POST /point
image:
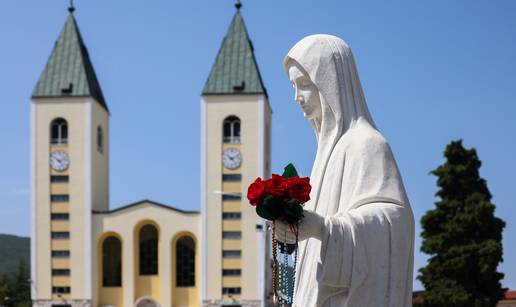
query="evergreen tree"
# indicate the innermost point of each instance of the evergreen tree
(462, 236)
(18, 287)
(4, 291)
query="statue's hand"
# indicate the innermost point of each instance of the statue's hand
(311, 226)
(283, 233)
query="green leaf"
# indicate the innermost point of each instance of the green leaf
(270, 208)
(290, 171)
(298, 210)
(264, 213)
(268, 201)
(292, 212)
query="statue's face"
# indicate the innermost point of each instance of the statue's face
(306, 93)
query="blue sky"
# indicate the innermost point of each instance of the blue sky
(432, 72)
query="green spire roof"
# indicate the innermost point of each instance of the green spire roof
(69, 72)
(235, 70)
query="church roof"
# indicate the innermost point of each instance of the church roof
(145, 202)
(235, 70)
(69, 72)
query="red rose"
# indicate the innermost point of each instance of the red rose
(299, 189)
(277, 186)
(256, 191)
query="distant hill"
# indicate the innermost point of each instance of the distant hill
(12, 250)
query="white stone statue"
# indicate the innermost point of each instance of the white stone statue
(357, 235)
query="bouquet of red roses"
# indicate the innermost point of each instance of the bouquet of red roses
(280, 197)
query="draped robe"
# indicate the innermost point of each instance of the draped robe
(365, 257)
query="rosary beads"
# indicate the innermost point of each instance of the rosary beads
(284, 279)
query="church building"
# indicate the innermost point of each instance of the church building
(147, 254)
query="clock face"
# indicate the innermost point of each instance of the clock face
(59, 160)
(231, 158)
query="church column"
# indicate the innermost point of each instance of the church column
(165, 269)
(128, 266)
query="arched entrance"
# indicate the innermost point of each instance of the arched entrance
(146, 302)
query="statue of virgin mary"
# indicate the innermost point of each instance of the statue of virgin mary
(357, 234)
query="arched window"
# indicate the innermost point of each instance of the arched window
(59, 131)
(111, 262)
(231, 130)
(185, 262)
(148, 250)
(146, 302)
(100, 139)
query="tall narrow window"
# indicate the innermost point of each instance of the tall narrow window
(112, 262)
(148, 250)
(231, 130)
(59, 131)
(185, 262)
(100, 139)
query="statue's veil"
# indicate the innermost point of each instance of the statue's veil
(330, 65)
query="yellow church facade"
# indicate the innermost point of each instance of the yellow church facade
(147, 253)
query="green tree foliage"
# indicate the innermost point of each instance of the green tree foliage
(462, 236)
(15, 288)
(4, 291)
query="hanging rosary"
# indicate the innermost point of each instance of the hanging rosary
(282, 198)
(283, 275)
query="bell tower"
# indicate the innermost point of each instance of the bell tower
(69, 171)
(235, 149)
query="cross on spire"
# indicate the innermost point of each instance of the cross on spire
(238, 5)
(71, 7)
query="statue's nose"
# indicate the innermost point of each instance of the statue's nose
(297, 96)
